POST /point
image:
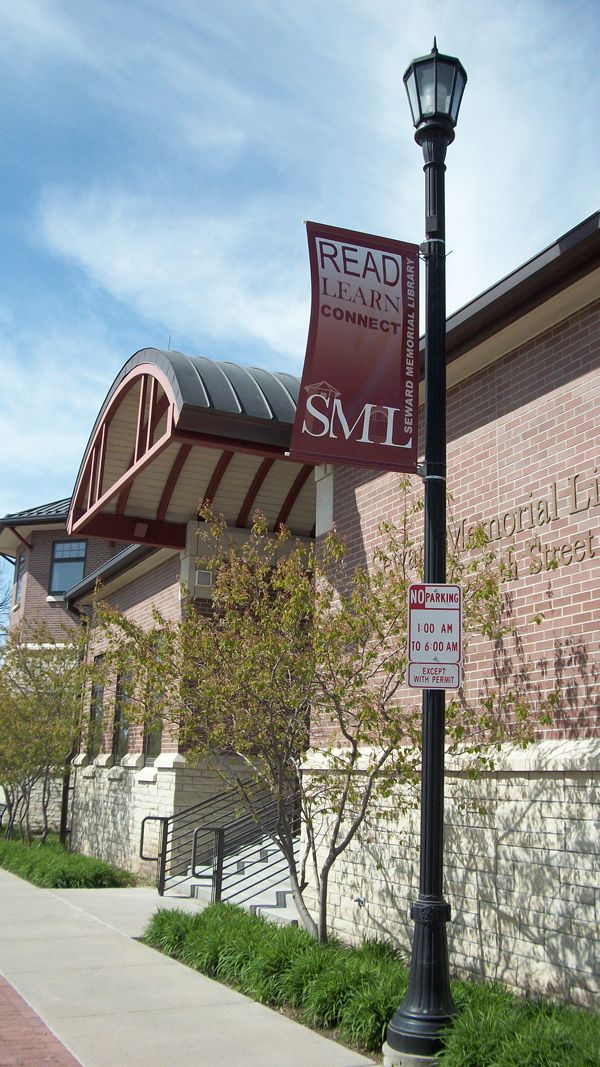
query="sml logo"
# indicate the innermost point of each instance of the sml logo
(376, 424)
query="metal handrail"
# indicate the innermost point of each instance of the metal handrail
(228, 840)
(150, 818)
(216, 875)
(178, 836)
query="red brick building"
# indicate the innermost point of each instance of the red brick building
(47, 562)
(522, 861)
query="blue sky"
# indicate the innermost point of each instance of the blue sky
(158, 161)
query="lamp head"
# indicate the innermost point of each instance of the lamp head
(435, 85)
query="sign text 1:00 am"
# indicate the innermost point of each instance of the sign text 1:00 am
(434, 636)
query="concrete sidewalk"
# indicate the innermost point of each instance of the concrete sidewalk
(113, 1002)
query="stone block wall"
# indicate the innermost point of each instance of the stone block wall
(522, 873)
(110, 803)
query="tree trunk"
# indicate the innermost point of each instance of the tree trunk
(9, 796)
(324, 878)
(306, 918)
(64, 804)
(46, 787)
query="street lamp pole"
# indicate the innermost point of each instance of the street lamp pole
(435, 86)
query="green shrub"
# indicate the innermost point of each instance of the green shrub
(330, 991)
(52, 867)
(223, 942)
(285, 966)
(169, 931)
(303, 970)
(262, 973)
(368, 1011)
(356, 991)
(496, 1028)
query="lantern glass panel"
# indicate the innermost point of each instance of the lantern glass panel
(426, 81)
(445, 81)
(413, 98)
(459, 89)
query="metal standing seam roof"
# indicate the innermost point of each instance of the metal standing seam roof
(56, 511)
(51, 515)
(175, 430)
(202, 385)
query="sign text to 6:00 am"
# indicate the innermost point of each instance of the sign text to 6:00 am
(434, 636)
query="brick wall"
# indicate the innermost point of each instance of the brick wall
(524, 458)
(109, 801)
(155, 590)
(34, 605)
(522, 863)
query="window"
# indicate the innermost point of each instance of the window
(154, 703)
(121, 720)
(96, 710)
(68, 562)
(19, 575)
(152, 742)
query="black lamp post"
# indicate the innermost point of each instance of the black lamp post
(435, 85)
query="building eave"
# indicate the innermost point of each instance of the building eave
(561, 265)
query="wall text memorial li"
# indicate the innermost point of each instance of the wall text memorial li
(577, 495)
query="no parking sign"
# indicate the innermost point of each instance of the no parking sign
(434, 636)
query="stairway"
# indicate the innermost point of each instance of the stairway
(225, 848)
(255, 877)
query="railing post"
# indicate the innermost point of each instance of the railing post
(217, 875)
(162, 857)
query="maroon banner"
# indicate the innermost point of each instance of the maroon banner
(359, 397)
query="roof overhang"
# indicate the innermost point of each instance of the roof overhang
(550, 287)
(16, 530)
(175, 431)
(120, 570)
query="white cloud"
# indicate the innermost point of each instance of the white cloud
(36, 27)
(219, 277)
(54, 382)
(301, 108)
(198, 136)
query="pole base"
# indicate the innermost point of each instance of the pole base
(418, 1024)
(411, 1034)
(392, 1058)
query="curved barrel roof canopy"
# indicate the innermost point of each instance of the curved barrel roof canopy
(175, 431)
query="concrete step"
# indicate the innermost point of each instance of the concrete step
(245, 865)
(266, 905)
(277, 907)
(272, 897)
